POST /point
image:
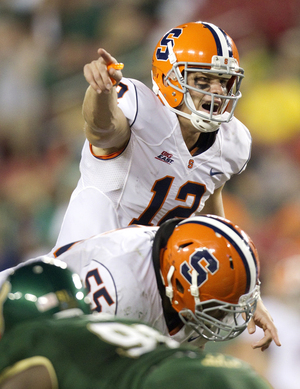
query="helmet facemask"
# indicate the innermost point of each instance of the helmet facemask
(216, 320)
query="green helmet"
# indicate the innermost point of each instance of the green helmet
(40, 289)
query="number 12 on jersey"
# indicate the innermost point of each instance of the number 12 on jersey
(160, 190)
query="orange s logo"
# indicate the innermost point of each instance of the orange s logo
(191, 163)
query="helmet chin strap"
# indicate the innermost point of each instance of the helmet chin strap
(169, 288)
(194, 287)
(203, 125)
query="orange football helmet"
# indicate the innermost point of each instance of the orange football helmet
(194, 47)
(210, 270)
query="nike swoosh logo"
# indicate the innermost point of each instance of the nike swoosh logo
(214, 172)
(193, 338)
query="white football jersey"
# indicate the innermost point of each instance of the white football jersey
(155, 177)
(119, 275)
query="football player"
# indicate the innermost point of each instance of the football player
(153, 155)
(190, 279)
(49, 343)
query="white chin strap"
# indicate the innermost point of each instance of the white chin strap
(203, 125)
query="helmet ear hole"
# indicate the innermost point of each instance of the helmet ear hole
(182, 246)
(179, 286)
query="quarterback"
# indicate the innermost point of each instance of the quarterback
(153, 155)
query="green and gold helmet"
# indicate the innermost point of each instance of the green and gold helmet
(40, 289)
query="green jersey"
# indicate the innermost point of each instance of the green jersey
(94, 351)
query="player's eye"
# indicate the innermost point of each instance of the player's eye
(202, 79)
(202, 82)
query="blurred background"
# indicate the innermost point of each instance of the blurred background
(44, 45)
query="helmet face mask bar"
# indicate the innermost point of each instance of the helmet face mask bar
(169, 73)
(216, 320)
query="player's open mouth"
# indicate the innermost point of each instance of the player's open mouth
(207, 107)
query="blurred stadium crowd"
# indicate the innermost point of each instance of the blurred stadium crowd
(44, 45)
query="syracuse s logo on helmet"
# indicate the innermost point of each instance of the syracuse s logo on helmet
(204, 262)
(162, 54)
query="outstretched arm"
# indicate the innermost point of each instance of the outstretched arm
(106, 127)
(263, 319)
